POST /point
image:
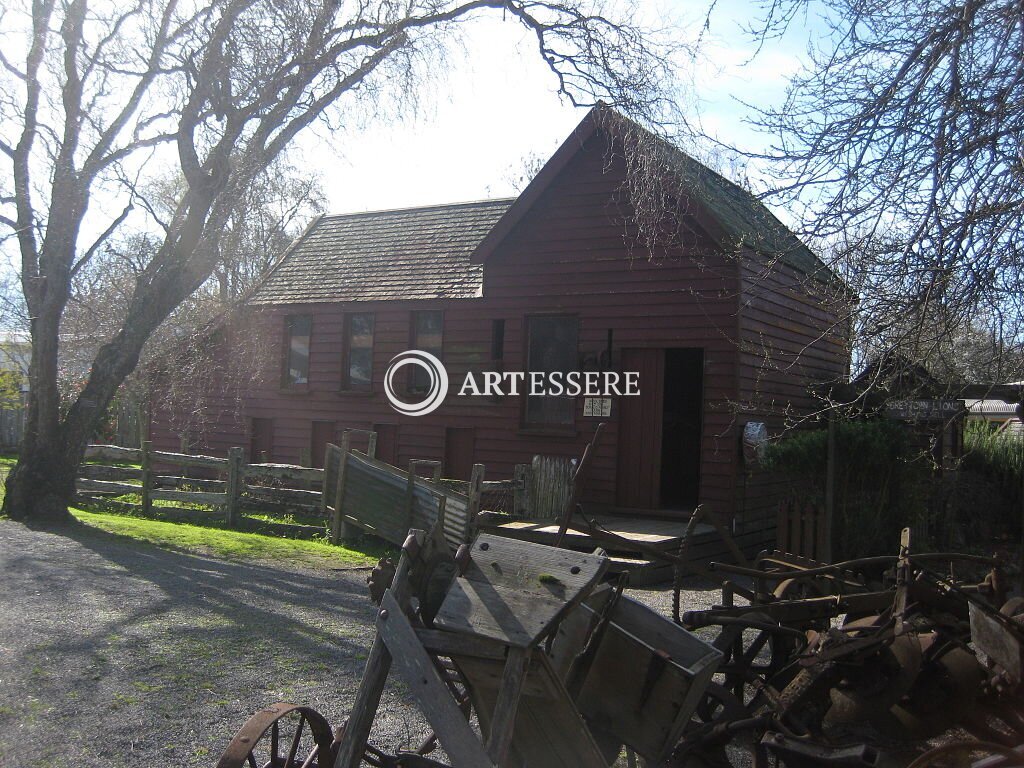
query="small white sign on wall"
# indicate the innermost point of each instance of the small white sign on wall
(597, 406)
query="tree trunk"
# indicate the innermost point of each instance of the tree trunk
(41, 486)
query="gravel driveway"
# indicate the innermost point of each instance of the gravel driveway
(116, 653)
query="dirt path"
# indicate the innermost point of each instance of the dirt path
(115, 653)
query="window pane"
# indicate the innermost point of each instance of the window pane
(552, 344)
(552, 347)
(550, 410)
(360, 368)
(298, 349)
(358, 365)
(361, 330)
(428, 333)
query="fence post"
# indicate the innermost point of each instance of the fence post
(521, 492)
(147, 478)
(476, 483)
(330, 479)
(824, 553)
(339, 528)
(233, 491)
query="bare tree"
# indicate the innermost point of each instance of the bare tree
(900, 143)
(93, 99)
(263, 221)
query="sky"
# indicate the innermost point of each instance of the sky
(497, 105)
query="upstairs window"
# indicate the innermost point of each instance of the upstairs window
(357, 367)
(427, 332)
(551, 347)
(296, 344)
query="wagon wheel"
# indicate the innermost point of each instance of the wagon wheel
(966, 753)
(704, 738)
(754, 648)
(282, 735)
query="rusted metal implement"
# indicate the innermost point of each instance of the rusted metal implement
(525, 655)
(893, 646)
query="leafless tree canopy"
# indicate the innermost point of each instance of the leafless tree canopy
(901, 144)
(94, 97)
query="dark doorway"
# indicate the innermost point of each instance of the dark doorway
(261, 443)
(682, 414)
(660, 431)
(458, 452)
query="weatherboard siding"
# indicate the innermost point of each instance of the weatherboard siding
(569, 254)
(793, 335)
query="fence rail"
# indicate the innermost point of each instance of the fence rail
(354, 491)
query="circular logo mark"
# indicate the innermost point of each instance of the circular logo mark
(436, 373)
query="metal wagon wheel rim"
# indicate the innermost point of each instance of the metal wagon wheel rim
(282, 735)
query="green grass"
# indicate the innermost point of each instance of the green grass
(206, 534)
(232, 545)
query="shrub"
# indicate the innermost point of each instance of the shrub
(992, 467)
(881, 483)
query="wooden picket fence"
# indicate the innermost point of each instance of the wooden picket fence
(354, 492)
(801, 529)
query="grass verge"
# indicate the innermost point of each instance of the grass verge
(232, 545)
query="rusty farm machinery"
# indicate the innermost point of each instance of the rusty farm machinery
(525, 655)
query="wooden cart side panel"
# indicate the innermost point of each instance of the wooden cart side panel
(549, 732)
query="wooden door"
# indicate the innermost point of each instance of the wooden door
(323, 433)
(640, 421)
(458, 452)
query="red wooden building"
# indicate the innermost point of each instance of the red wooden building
(727, 323)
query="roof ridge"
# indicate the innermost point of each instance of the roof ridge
(410, 209)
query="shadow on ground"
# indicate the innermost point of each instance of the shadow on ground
(118, 653)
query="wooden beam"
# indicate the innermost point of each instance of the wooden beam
(503, 722)
(426, 686)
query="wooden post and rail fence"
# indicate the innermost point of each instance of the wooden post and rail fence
(354, 492)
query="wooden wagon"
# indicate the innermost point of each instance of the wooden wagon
(517, 655)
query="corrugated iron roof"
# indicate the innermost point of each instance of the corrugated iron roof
(412, 253)
(991, 408)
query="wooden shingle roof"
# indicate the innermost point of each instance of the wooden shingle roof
(414, 253)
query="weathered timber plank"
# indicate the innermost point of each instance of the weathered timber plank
(195, 497)
(371, 687)
(284, 495)
(503, 721)
(113, 453)
(188, 460)
(104, 472)
(549, 732)
(615, 691)
(174, 482)
(441, 643)
(283, 472)
(105, 486)
(514, 591)
(426, 686)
